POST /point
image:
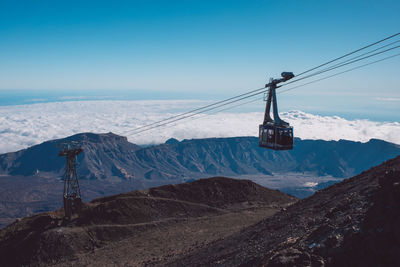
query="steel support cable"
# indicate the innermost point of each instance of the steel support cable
(336, 74)
(189, 115)
(341, 65)
(314, 81)
(289, 89)
(363, 54)
(261, 90)
(203, 115)
(292, 88)
(348, 54)
(231, 107)
(194, 110)
(194, 114)
(226, 100)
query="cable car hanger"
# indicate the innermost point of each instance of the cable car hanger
(275, 133)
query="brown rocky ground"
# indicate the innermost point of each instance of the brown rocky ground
(352, 223)
(146, 227)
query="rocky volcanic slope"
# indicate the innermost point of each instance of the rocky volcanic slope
(141, 227)
(104, 154)
(352, 223)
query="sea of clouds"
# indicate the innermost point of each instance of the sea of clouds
(22, 126)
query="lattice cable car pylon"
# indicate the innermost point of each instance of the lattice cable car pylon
(72, 195)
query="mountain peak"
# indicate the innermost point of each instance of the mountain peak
(96, 137)
(172, 141)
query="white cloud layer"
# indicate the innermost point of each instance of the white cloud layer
(22, 126)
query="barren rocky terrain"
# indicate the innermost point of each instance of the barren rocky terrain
(145, 227)
(352, 223)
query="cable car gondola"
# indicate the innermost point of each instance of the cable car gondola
(275, 133)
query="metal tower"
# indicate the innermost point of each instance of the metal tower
(72, 194)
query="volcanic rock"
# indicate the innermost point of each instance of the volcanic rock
(352, 223)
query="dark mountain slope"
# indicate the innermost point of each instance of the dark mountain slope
(47, 239)
(342, 158)
(352, 223)
(241, 155)
(108, 156)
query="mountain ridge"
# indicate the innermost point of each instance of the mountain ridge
(31, 179)
(109, 155)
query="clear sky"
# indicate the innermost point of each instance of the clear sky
(188, 48)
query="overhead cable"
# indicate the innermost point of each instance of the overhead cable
(196, 110)
(361, 55)
(341, 65)
(336, 74)
(258, 98)
(260, 89)
(252, 93)
(194, 114)
(348, 54)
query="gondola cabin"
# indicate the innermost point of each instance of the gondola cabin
(275, 137)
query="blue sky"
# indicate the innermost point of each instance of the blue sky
(191, 49)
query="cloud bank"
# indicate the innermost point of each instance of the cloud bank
(22, 126)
